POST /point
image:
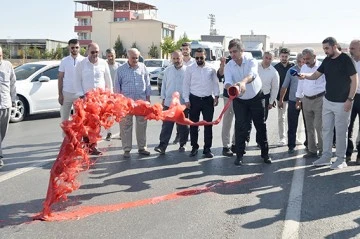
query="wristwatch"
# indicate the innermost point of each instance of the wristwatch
(350, 99)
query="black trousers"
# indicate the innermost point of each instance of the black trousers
(167, 128)
(204, 105)
(354, 112)
(245, 111)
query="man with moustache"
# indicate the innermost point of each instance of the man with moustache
(7, 98)
(282, 67)
(66, 79)
(187, 61)
(200, 85)
(133, 81)
(242, 72)
(355, 54)
(91, 73)
(173, 82)
(113, 66)
(341, 84)
(290, 84)
(310, 93)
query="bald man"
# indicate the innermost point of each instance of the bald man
(91, 73)
(132, 80)
(7, 97)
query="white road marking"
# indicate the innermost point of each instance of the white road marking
(293, 211)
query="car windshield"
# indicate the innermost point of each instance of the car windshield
(24, 71)
(152, 63)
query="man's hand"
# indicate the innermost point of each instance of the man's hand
(281, 104)
(216, 101)
(61, 99)
(222, 61)
(347, 105)
(270, 106)
(301, 77)
(187, 105)
(298, 105)
(242, 87)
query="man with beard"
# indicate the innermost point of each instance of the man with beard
(341, 83)
(113, 66)
(242, 72)
(200, 85)
(355, 53)
(66, 79)
(290, 84)
(282, 67)
(91, 73)
(173, 82)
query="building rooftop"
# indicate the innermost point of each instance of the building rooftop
(118, 5)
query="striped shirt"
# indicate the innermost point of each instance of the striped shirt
(132, 82)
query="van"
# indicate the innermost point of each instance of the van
(214, 51)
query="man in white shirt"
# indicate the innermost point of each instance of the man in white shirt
(242, 72)
(91, 73)
(7, 98)
(355, 53)
(66, 79)
(310, 93)
(270, 81)
(200, 85)
(173, 82)
(113, 66)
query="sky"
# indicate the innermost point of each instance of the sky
(306, 21)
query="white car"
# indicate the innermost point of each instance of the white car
(121, 60)
(36, 88)
(154, 67)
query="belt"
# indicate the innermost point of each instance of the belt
(315, 96)
(200, 98)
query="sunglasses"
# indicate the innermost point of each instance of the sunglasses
(74, 47)
(94, 52)
(199, 58)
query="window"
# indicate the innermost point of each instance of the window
(84, 22)
(52, 73)
(120, 19)
(24, 71)
(84, 36)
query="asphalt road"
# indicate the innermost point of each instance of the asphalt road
(287, 199)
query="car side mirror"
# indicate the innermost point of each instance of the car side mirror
(44, 79)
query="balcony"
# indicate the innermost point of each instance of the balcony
(83, 29)
(83, 14)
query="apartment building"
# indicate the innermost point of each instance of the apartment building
(104, 20)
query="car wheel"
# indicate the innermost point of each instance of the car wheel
(19, 112)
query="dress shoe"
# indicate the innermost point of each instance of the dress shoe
(291, 150)
(193, 152)
(108, 137)
(127, 154)
(310, 155)
(238, 161)
(227, 152)
(267, 159)
(233, 148)
(143, 152)
(160, 149)
(208, 154)
(95, 151)
(182, 149)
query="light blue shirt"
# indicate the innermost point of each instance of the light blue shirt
(172, 82)
(134, 82)
(235, 73)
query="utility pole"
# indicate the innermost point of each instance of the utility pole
(213, 31)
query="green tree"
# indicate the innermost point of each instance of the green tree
(119, 47)
(154, 51)
(6, 53)
(184, 38)
(46, 55)
(82, 51)
(134, 45)
(36, 54)
(167, 46)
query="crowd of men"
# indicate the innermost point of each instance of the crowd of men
(327, 94)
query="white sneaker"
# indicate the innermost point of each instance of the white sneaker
(339, 164)
(282, 142)
(322, 162)
(298, 142)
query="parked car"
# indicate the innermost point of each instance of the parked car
(37, 89)
(155, 66)
(121, 60)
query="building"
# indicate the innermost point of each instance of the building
(24, 48)
(224, 40)
(104, 21)
(299, 47)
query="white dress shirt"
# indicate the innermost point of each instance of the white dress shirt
(90, 76)
(235, 73)
(67, 66)
(189, 62)
(357, 65)
(310, 87)
(200, 81)
(270, 81)
(173, 81)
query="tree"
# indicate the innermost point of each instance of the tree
(167, 46)
(57, 54)
(6, 53)
(82, 51)
(46, 55)
(36, 54)
(119, 47)
(154, 51)
(184, 38)
(134, 45)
